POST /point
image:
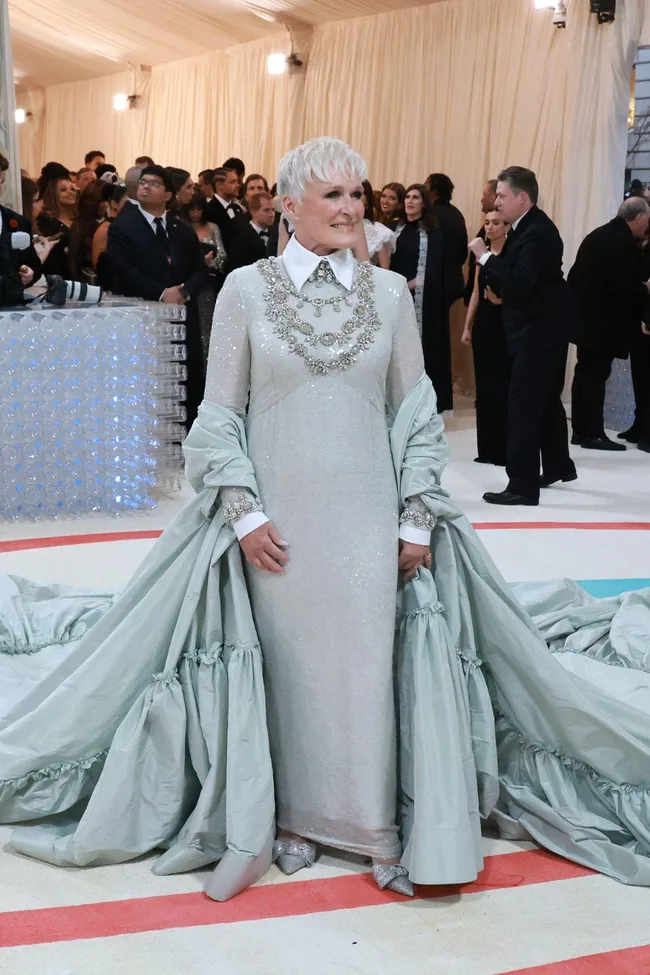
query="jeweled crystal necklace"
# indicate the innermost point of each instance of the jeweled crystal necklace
(287, 322)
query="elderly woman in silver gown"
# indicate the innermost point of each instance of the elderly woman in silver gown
(324, 346)
(317, 456)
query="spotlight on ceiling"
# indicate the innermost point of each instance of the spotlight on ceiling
(21, 115)
(276, 63)
(122, 102)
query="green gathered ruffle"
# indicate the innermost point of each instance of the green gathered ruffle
(17, 649)
(604, 785)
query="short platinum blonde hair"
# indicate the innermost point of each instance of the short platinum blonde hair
(319, 159)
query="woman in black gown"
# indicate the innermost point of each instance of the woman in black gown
(54, 222)
(484, 332)
(419, 257)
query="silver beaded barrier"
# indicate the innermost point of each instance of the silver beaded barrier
(90, 407)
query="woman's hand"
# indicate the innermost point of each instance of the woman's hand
(466, 337)
(209, 257)
(412, 284)
(264, 549)
(412, 557)
(491, 297)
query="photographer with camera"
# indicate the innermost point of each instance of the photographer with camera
(19, 263)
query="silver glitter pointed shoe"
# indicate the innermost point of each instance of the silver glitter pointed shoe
(292, 856)
(394, 877)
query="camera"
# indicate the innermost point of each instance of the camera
(60, 291)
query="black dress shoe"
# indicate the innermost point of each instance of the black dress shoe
(546, 480)
(601, 443)
(576, 440)
(508, 497)
(489, 460)
(631, 435)
(644, 445)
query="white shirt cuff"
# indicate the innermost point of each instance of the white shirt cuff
(249, 523)
(484, 258)
(416, 536)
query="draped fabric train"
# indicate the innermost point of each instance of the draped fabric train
(171, 748)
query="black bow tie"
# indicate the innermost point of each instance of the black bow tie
(264, 233)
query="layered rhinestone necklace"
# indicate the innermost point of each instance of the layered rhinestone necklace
(300, 336)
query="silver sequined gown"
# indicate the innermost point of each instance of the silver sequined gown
(319, 445)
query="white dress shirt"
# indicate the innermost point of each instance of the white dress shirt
(151, 217)
(225, 204)
(300, 264)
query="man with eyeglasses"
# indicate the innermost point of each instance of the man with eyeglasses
(153, 254)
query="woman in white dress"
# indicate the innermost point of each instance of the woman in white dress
(379, 238)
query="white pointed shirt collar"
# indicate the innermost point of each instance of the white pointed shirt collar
(300, 263)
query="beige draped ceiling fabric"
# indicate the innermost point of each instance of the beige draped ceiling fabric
(459, 86)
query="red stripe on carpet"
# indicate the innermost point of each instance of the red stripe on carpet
(111, 918)
(626, 961)
(24, 544)
(587, 526)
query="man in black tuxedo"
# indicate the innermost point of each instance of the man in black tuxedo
(223, 208)
(253, 243)
(454, 234)
(607, 282)
(155, 255)
(19, 263)
(538, 317)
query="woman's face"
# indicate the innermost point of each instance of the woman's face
(413, 204)
(327, 217)
(196, 215)
(495, 227)
(67, 193)
(115, 208)
(388, 202)
(186, 192)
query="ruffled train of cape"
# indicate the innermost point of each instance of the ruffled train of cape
(138, 723)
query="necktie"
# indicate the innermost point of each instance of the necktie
(161, 234)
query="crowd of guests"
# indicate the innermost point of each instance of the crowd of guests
(97, 227)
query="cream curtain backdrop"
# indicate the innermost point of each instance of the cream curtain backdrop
(192, 113)
(460, 86)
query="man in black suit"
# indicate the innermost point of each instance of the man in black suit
(253, 243)
(19, 262)
(223, 208)
(538, 316)
(454, 234)
(607, 282)
(155, 255)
